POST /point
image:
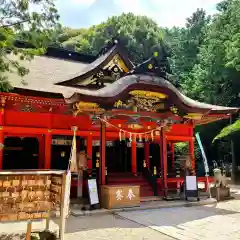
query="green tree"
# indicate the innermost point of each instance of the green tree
(215, 78)
(184, 44)
(31, 20)
(139, 34)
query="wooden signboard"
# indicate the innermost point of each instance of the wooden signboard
(120, 196)
(31, 195)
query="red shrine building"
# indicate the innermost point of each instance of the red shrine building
(128, 117)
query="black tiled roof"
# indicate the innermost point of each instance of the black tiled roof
(60, 53)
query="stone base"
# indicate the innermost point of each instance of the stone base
(220, 193)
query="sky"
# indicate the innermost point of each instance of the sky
(167, 13)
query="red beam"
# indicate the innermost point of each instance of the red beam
(179, 138)
(35, 131)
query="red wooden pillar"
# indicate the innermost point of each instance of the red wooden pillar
(164, 162)
(173, 157)
(134, 155)
(48, 150)
(48, 142)
(146, 154)
(103, 153)
(89, 153)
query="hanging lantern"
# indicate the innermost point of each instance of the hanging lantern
(154, 170)
(97, 163)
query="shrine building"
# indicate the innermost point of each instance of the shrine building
(127, 117)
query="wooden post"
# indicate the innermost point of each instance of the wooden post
(48, 150)
(134, 155)
(173, 157)
(191, 151)
(146, 154)
(163, 152)
(29, 230)
(103, 153)
(89, 154)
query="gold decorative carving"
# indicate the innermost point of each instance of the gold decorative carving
(135, 126)
(117, 60)
(148, 94)
(88, 107)
(3, 101)
(143, 100)
(195, 116)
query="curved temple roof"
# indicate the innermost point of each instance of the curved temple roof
(123, 86)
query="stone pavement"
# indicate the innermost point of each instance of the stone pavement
(219, 221)
(97, 227)
(109, 227)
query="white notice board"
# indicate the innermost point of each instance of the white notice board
(93, 191)
(191, 183)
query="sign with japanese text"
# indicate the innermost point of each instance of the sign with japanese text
(118, 196)
(130, 195)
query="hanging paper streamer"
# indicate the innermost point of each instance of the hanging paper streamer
(149, 135)
(146, 138)
(152, 136)
(120, 136)
(73, 166)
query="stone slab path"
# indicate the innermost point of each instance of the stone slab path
(109, 227)
(220, 221)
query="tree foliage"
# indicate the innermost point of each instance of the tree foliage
(215, 78)
(139, 34)
(228, 130)
(31, 20)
